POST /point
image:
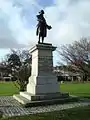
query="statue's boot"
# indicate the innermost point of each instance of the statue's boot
(38, 42)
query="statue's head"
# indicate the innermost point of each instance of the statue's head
(41, 12)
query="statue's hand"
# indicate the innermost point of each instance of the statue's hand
(49, 27)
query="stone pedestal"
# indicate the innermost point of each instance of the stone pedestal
(42, 79)
(43, 86)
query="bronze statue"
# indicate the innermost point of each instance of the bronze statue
(42, 26)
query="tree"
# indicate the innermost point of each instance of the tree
(20, 63)
(23, 74)
(78, 55)
(14, 60)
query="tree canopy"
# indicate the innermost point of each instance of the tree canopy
(78, 55)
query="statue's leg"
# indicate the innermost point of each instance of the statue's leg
(42, 39)
(39, 39)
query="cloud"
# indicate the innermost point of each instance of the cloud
(70, 20)
(17, 23)
(7, 39)
(45, 3)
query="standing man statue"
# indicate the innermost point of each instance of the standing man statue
(42, 26)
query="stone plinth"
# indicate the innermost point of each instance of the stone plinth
(42, 85)
(42, 79)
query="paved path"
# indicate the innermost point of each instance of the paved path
(10, 107)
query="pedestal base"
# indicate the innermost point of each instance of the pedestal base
(29, 100)
(44, 96)
(42, 85)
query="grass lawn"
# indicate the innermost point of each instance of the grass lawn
(8, 88)
(79, 89)
(82, 113)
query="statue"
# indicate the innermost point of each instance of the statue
(42, 26)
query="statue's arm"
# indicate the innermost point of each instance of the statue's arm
(48, 27)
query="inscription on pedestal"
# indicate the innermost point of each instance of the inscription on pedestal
(45, 63)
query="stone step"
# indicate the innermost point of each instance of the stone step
(32, 97)
(21, 99)
(27, 95)
(28, 103)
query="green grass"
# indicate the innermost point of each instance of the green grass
(8, 88)
(79, 89)
(82, 113)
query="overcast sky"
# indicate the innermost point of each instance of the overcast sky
(70, 20)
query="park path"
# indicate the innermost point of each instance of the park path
(10, 107)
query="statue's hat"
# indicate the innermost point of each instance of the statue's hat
(41, 12)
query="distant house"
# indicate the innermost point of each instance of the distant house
(4, 73)
(64, 75)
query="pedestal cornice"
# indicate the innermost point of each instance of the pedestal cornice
(43, 46)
